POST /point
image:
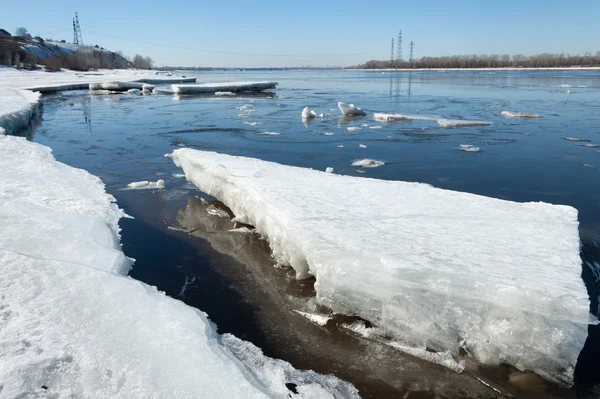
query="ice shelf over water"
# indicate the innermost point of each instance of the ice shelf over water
(16, 109)
(437, 269)
(72, 324)
(233, 87)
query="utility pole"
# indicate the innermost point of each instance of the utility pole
(77, 38)
(412, 48)
(399, 48)
(392, 51)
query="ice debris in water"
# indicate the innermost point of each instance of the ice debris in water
(368, 163)
(439, 270)
(353, 128)
(510, 114)
(224, 93)
(329, 170)
(145, 184)
(75, 325)
(308, 114)
(340, 146)
(268, 133)
(362, 146)
(251, 123)
(452, 123)
(350, 110)
(469, 148)
(328, 133)
(318, 319)
(572, 139)
(375, 127)
(590, 145)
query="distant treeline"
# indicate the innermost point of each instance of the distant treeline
(491, 61)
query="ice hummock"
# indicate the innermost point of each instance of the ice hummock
(439, 270)
(74, 325)
(308, 114)
(350, 110)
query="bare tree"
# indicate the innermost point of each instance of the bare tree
(21, 31)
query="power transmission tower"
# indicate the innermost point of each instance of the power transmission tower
(399, 48)
(412, 48)
(392, 51)
(77, 38)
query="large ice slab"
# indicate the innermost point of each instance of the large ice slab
(437, 269)
(16, 109)
(234, 87)
(73, 325)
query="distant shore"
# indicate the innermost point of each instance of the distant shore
(477, 69)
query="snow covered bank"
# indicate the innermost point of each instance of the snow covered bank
(234, 87)
(16, 109)
(48, 82)
(74, 325)
(437, 269)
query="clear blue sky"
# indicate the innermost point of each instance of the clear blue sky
(281, 33)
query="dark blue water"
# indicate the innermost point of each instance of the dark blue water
(122, 138)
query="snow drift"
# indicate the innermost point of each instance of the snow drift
(72, 323)
(439, 270)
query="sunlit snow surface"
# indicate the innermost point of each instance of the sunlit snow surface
(437, 269)
(73, 325)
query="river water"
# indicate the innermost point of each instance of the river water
(122, 138)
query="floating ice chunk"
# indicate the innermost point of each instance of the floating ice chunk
(362, 146)
(402, 117)
(224, 94)
(308, 114)
(213, 210)
(469, 148)
(268, 133)
(318, 319)
(134, 91)
(147, 87)
(328, 133)
(329, 170)
(353, 128)
(350, 110)
(178, 175)
(590, 145)
(251, 123)
(368, 163)
(438, 269)
(340, 146)
(509, 114)
(375, 127)
(142, 185)
(116, 86)
(73, 322)
(163, 90)
(573, 139)
(234, 87)
(452, 123)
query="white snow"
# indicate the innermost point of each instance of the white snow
(329, 169)
(437, 269)
(469, 148)
(234, 87)
(368, 163)
(144, 184)
(510, 114)
(16, 109)
(74, 323)
(350, 110)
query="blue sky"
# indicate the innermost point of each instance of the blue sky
(279, 33)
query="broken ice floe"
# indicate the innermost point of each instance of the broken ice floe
(452, 123)
(234, 87)
(469, 148)
(317, 319)
(142, 185)
(509, 114)
(268, 133)
(329, 170)
(353, 128)
(368, 163)
(362, 146)
(444, 123)
(350, 110)
(328, 133)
